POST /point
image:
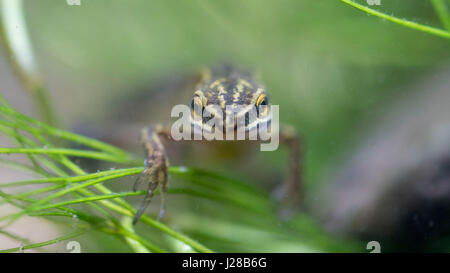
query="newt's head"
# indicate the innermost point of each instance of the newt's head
(229, 98)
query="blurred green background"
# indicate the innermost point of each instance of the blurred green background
(330, 67)
(327, 64)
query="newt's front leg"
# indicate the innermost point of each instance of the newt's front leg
(155, 172)
(292, 189)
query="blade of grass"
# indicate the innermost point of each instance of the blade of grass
(65, 151)
(15, 236)
(49, 130)
(88, 199)
(46, 243)
(67, 162)
(135, 241)
(71, 189)
(15, 38)
(44, 161)
(37, 166)
(123, 207)
(86, 184)
(402, 22)
(69, 179)
(130, 193)
(18, 166)
(94, 221)
(441, 9)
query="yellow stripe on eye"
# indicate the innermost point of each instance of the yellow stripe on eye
(196, 107)
(265, 108)
(260, 99)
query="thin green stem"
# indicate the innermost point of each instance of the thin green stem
(51, 166)
(45, 243)
(136, 242)
(402, 22)
(89, 199)
(192, 243)
(18, 166)
(22, 120)
(18, 47)
(37, 166)
(75, 188)
(69, 179)
(441, 9)
(64, 151)
(15, 236)
(110, 153)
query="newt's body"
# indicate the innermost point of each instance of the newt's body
(219, 90)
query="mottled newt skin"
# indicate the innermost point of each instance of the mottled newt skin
(221, 87)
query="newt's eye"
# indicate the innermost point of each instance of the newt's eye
(196, 107)
(262, 105)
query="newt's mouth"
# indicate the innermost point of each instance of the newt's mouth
(243, 118)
